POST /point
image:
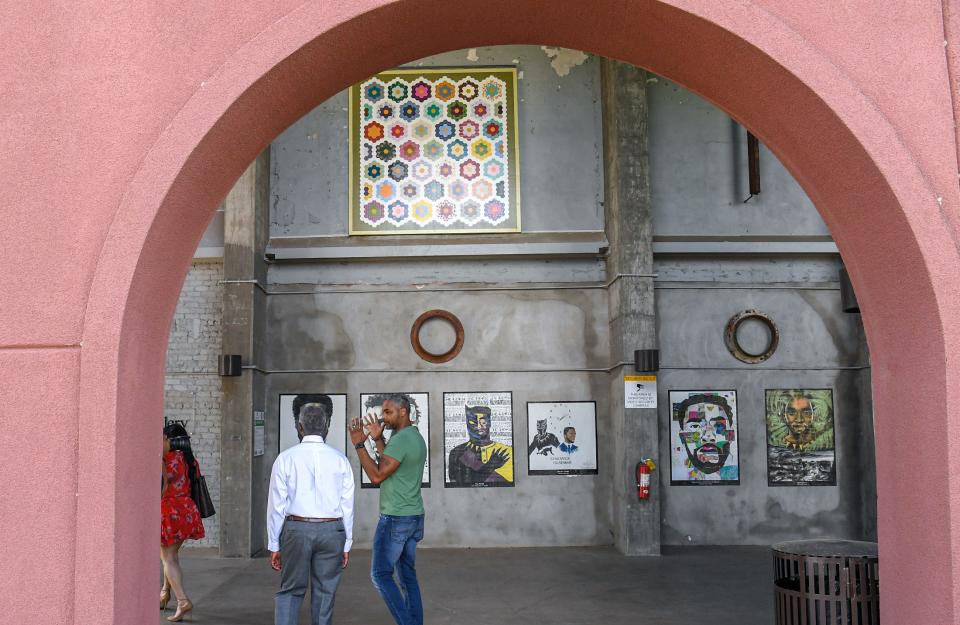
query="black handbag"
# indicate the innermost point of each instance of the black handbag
(201, 497)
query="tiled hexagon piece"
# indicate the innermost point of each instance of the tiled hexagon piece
(468, 89)
(422, 171)
(433, 150)
(386, 151)
(421, 90)
(481, 149)
(468, 129)
(398, 212)
(422, 212)
(410, 151)
(469, 169)
(421, 130)
(373, 131)
(471, 212)
(482, 190)
(373, 213)
(457, 150)
(386, 191)
(374, 91)
(398, 90)
(445, 130)
(458, 189)
(494, 211)
(433, 190)
(444, 90)
(456, 110)
(398, 170)
(409, 111)
(445, 212)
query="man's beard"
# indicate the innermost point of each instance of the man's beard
(722, 451)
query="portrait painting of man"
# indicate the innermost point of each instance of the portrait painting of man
(800, 437)
(371, 406)
(703, 438)
(334, 404)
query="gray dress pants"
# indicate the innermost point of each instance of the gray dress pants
(311, 555)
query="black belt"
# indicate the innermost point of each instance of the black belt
(310, 519)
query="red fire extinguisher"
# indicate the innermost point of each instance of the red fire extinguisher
(644, 467)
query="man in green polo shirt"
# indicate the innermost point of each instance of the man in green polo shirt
(399, 474)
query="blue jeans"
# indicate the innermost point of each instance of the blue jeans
(395, 550)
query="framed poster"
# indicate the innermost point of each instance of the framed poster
(478, 439)
(336, 405)
(434, 151)
(703, 438)
(371, 406)
(562, 438)
(800, 438)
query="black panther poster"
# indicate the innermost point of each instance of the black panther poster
(478, 439)
(562, 438)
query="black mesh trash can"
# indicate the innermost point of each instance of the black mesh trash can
(826, 582)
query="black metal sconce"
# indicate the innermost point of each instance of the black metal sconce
(646, 360)
(848, 299)
(753, 165)
(229, 365)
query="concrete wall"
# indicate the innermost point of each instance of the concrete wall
(193, 391)
(528, 342)
(698, 174)
(820, 347)
(698, 185)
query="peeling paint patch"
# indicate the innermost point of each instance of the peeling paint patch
(472, 55)
(564, 59)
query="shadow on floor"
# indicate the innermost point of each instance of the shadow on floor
(562, 586)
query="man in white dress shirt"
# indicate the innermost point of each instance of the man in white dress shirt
(309, 520)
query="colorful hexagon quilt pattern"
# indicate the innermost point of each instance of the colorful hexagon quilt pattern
(435, 151)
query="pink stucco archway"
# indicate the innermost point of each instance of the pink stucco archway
(124, 126)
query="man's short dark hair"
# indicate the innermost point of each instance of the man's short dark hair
(568, 428)
(314, 419)
(399, 400)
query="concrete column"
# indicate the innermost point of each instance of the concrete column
(246, 228)
(629, 231)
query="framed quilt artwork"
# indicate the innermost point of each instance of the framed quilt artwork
(434, 151)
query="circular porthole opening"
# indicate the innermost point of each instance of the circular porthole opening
(751, 336)
(437, 336)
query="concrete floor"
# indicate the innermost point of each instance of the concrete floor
(589, 585)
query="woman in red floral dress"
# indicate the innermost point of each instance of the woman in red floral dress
(179, 518)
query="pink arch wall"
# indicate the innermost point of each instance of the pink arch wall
(123, 125)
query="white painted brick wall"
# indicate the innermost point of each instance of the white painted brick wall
(193, 392)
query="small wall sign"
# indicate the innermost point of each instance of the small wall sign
(639, 391)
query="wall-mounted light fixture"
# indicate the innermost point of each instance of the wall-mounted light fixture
(848, 299)
(229, 365)
(646, 360)
(753, 165)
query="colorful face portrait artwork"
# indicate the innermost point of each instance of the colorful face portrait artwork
(435, 151)
(478, 439)
(562, 438)
(703, 438)
(371, 407)
(292, 405)
(800, 438)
